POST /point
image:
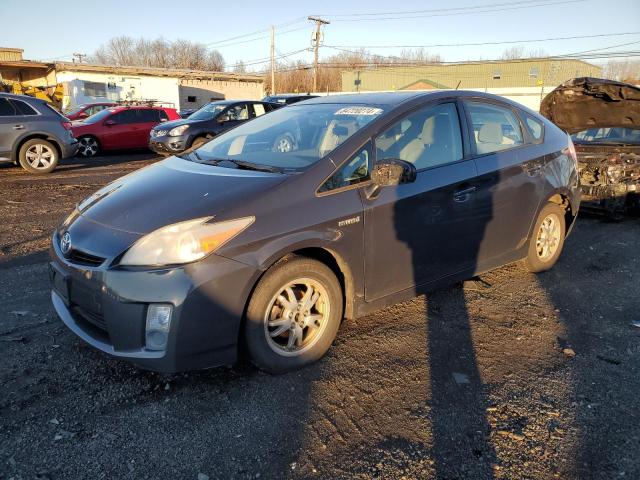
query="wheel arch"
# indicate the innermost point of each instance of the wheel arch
(31, 136)
(563, 200)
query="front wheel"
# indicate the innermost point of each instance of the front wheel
(293, 315)
(88, 146)
(38, 156)
(545, 245)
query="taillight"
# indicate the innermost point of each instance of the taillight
(66, 125)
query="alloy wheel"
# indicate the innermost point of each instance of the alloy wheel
(296, 317)
(39, 156)
(548, 238)
(88, 146)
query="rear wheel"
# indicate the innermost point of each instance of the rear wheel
(293, 315)
(547, 240)
(88, 146)
(38, 156)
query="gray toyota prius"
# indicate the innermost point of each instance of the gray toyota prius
(376, 199)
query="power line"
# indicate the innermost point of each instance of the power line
(244, 35)
(217, 47)
(431, 10)
(465, 11)
(434, 45)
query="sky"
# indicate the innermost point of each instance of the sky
(85, 25)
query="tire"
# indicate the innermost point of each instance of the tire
(280, 338)
(38, 156)
(88, 146)
(545, 245)
(199, 141)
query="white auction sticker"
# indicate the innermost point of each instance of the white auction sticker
(359, 111)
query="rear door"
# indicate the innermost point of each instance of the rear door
(122, 133)
(147, 118)
(419, 232)
(510, 183)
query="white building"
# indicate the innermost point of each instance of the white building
(181, 89)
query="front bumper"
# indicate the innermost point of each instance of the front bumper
(169, 145)
(106, 307)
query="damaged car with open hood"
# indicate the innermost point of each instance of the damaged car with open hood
(603, 119)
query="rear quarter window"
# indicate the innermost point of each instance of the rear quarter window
(535, 128)
(23, 108)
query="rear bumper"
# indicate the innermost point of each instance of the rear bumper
(107, 309)
(69, 149)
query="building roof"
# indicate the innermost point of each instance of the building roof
(157, 72)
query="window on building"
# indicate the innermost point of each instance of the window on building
(534, 72)
(94, 89)
(192, 99)
(496, 74)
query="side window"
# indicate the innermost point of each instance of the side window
(124, 117)
(536, 128)
(6, 108)
(258, 108)
(238, 112)
(495, 128)
(23, 108)
(427, 138)
(148, 115)
(354, 171)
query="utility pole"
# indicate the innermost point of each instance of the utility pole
(316, 46)
(79, 56)
(273, 60)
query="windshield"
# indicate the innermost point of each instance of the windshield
(208, 112)
(290, 138)
(608, 135)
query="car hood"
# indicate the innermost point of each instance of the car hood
(584, 103)
(172, 191)
(175, 123)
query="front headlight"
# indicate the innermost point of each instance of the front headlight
(176, 132)
(183, 242)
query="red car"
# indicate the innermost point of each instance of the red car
(87, 109)
(119, 128)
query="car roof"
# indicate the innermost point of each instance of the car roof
(375, 98)
(25, 98)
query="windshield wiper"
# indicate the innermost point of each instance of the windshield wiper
(239, 164)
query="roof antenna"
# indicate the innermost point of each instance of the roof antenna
(459, 82)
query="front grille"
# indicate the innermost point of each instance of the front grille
(95, 319)
(84, 258)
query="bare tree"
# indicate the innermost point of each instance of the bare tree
(513, 53)
(623, 70)
(159, 53)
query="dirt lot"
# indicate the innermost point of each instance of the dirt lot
(470, 382)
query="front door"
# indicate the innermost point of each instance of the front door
(120, 130)
(419, 232)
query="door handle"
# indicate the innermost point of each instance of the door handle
(18, 127)
(464, 194)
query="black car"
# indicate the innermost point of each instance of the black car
(32, 134)
(288, 99)
(603, 118)
(383, 196)
(204, 124)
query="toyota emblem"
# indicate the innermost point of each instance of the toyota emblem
(65, 243)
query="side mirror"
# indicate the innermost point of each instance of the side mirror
(388, 172)
(109, 123)
(393, 171)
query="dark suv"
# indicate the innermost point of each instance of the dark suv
(204, 124)
(33, 134)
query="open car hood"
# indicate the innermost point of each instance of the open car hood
(583, 103)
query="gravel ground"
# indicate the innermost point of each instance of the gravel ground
(508, 375)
